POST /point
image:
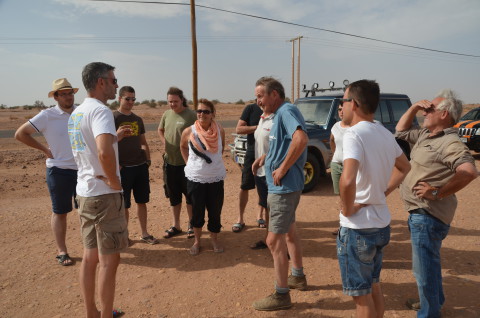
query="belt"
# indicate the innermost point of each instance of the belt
(424, 212)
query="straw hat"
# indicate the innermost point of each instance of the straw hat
(60, 85)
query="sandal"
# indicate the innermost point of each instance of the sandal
(260, 245)
(194, 250)
(64, 260)
(190, 233)
(150, 240)
(238, 227)
(261, 223)
(117, 313)
(171, 232)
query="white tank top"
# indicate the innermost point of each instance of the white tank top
(198, 170)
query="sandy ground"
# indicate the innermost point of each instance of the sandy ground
(165, 281)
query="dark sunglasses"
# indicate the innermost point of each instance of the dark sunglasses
(130, 99)
(114, 80)
(342, 100)
(205, 111)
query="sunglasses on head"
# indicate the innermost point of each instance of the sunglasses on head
(205, 111)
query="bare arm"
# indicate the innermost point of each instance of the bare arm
(243, 129)
(348, 186)
(400, 171)
(144, 145)
(297, 146)
(333, 146)
(259, 162)
(464, 174)
(108, 161)
(24, 134)
(161, 134)
(184, 143)
(406, 120)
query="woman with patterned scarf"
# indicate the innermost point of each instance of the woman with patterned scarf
(202, 147)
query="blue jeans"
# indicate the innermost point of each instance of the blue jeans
(360, 254)
(427, 234)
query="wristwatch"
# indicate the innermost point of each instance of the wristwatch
(435, 194)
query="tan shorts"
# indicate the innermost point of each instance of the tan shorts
(282, 209)
(103, 223)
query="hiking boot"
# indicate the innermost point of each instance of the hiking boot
(413, 304)
(297, 282)
(275, 301)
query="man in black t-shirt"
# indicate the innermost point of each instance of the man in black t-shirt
(246, 126)
(134, 159)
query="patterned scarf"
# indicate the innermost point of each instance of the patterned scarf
(208, 138)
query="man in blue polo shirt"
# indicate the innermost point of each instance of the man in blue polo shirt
(285, 179)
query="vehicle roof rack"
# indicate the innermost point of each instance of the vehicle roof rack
(331, 88)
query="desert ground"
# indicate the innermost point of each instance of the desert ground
(163, 280)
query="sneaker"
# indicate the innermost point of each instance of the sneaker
(275, 301)
(413, 304)
(297, 282)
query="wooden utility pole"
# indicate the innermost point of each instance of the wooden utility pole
(293, 68)
(194, 53)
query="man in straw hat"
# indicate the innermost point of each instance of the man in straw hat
(61, 167)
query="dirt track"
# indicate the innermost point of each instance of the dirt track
(164, 281)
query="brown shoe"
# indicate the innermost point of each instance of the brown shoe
(413, 304)
(275, 301)
(297, 282)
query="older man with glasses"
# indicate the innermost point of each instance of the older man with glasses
(61, 167)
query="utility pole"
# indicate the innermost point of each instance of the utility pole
(293, 68)
(194, 53)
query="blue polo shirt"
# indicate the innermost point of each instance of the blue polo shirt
(286, 121)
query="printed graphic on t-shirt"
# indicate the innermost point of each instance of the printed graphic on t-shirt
(76, 138)
(133, 126)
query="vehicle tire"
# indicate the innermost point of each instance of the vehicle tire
(312, 172)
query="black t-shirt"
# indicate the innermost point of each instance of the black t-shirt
(251, 114)
(130, 150)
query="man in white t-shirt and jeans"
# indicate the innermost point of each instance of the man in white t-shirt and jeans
(373, 166)
(93, 139)
(61, 167)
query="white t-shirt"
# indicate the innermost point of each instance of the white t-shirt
(338, 131)
(261, 139)
(53, 124)
(90, 119)
(375, 148)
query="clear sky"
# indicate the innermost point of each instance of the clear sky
(150, 46)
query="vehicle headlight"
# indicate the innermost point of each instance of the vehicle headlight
(477, 132)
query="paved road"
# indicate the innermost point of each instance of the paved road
(148, 127)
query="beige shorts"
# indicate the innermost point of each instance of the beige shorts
(282, 209)
(103, 223)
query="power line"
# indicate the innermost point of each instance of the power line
(294, 24)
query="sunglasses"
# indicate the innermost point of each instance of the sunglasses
(342, 100)
(66, 94)
(114, 80)
(205, 111)
(130, 99)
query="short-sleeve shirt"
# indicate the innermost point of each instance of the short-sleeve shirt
(433, 160)
(338, 131)
(376, 151)
(89, 120)
(251, 115)
(285, 123)
(173, 125)
(53, 124)
(130, 148)
(262, 134)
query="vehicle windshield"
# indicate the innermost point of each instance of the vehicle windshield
(472, 115)
(315, 111)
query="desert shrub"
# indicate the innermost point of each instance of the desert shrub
(162, 102)
(145, 102)
(215, 101)
(240, 101)
(152, 104)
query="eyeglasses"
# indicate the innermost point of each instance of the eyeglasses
(66, 94)
(340, 109)
(342, 100)
(205, 111)
(130, 99)
(114, 80)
